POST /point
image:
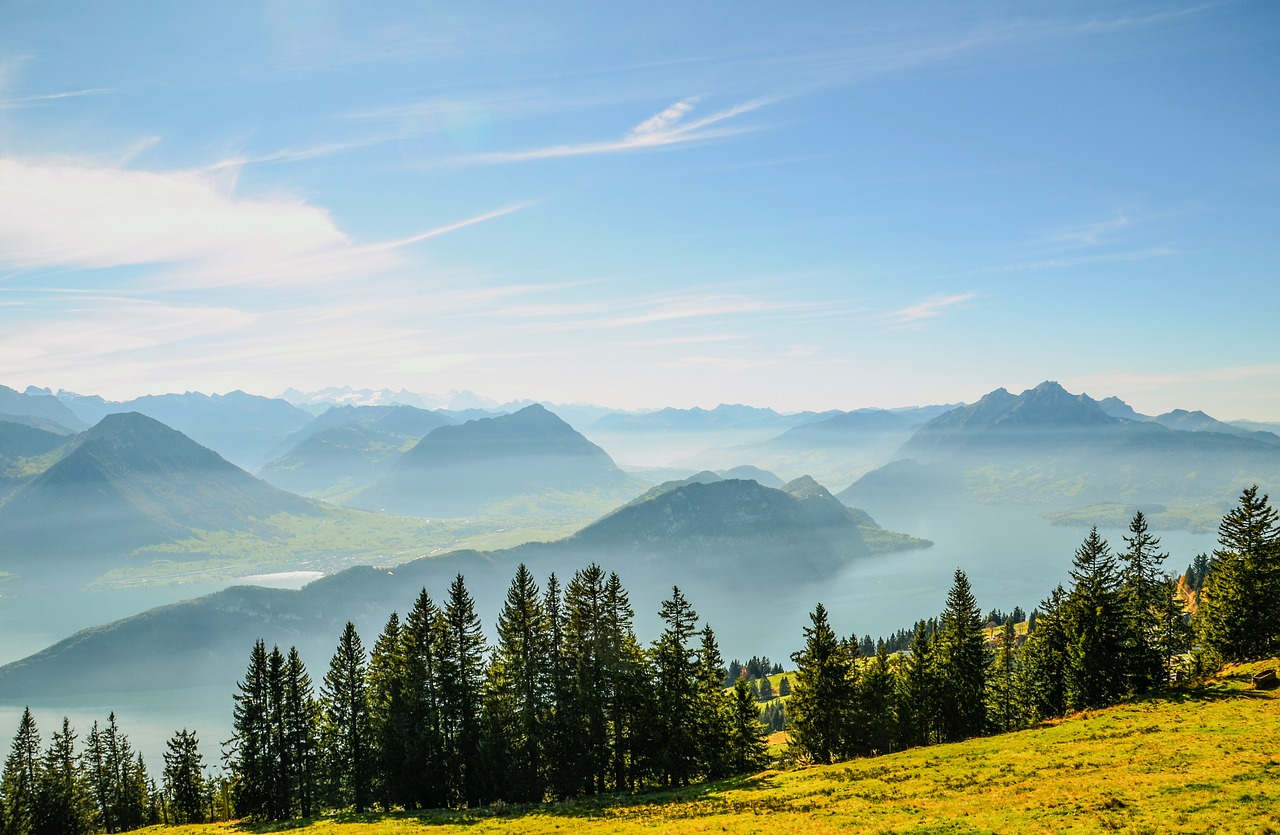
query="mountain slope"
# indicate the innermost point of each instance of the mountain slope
(48, 407)
(348, 447)
(1052, 447)
(458, 470)
(129, 482)
(724, 542)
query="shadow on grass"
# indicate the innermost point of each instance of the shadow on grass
(600, 806)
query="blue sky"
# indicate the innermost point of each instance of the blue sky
(639, 205)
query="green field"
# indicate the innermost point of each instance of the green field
(1203, 760)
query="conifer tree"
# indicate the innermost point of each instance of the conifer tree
(1095, 674)
(676, 669)
(21, 778)
(461, 680)
(347, 736)
(301, 716)
(961, 658)
(629, 707)
(561, 775)
(1142, 597)
(388, 716)
(917, 691)
(784, 686)
(63, 805)
(278, 789)
(822, 705)
(250, 748)
(1044, 658)
(878, 704)
(424, 748)
(747, 750)
(184, 778)
(583, 709)
(712, 709)
(1004, 705)
(1239, 612)
(517, 696)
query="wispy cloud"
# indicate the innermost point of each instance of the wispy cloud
(930, 308)
(664, 129)
(31, 101)
(190, 223)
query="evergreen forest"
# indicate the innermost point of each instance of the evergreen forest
(568, 703)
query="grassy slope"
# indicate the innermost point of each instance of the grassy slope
(1204, 761)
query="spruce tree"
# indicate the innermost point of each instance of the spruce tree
(22, 777)
(676, 668)
(878, 704)
(823, 701)
(461, 681)
(1142, 593)
(184, 778)
(424, 748)
(583, 707)
(517, 696)
(1095, 674)
(63, 805)
(347, 736)
(747, 750)
(1239, 612)
(301, 718)
(917, 691)
(1004, 705)
(1044, 658)
(389, 716)
(629, 707)
(250, 747)
(961, 659)
(712, 709)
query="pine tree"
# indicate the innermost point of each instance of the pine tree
(517, 696)
(1095, 674)
(301, 717)
(184, 778)
(766, 689)
(629, 707)
(22, 776)
(344, 699)
(961, 658)
(878, 703)
(747, 750)
(1142, 593)
(424, 747)
(559, 735)
(822, 705)
(1003, 702)
(1239, 613)
(677, 676)
(917, 691)
(63, 805)
(389, 716)
(461, 681)
(784, 687)
(1044, 658)
(583, 706)
(278, 789)
(712, 709)
(250, 748)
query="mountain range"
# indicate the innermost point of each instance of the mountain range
(1049, 446)
(723, 541)
(459, 470)
(127, 483)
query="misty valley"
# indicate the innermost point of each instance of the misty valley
(142, 556)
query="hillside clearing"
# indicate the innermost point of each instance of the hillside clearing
(1200, 761)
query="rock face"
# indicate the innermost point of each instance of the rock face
(127, 483)
(458, 470)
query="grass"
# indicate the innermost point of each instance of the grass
(338, 539)
(1200, 761)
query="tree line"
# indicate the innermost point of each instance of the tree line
(1122, 630)
(567, 703)
(102, 787)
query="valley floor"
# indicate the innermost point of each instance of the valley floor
(1203, 760)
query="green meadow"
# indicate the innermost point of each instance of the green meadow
(1202, 760)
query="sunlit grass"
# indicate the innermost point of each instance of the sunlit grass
(1200, 761)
